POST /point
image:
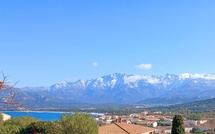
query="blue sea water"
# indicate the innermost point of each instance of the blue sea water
(41, 115)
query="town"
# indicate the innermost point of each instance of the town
(148, 123)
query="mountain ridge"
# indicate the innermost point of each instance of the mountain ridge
(123, 88)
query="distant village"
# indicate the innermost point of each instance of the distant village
(148, 123)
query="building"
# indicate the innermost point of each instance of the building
(203, 121)
(190, 122)
(147, 123)
(168, 129)
(188, 129)
(6, 116)
(124, 128)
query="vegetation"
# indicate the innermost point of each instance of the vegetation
(196, 131)
(44, 127)
(178, 125)
(78, 123)
(15, 125)
(195, 107)
(192, 111)
(1, 118)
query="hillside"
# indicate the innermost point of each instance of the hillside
(196, 106)
(119, 89)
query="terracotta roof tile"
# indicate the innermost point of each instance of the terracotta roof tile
(123, 128)
(110, 129)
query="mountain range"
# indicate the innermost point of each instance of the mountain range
(120, 88)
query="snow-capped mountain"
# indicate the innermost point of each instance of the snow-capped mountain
(124, 88)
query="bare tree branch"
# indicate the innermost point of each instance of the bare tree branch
(10, 99)
(4, 85)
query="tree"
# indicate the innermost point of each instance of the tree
(41, 127)
(9, 100)
(9, 129)
(79, 123)
(21, 122)
(14, 125)
(196, 131)
(178, 125)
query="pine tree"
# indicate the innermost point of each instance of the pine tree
(178, 125)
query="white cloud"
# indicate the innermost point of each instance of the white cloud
(144, 66)
(95, 64)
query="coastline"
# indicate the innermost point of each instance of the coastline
(44, 115)
(93, 113)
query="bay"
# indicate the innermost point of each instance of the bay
(41, 115)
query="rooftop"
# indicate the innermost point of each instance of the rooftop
(123, 128)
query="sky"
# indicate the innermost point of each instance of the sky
(43, 42)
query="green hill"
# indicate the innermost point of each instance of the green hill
(197, 106)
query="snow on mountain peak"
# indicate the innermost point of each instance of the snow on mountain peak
(99, 80)
(112, 80)
(80, 82)
(135, 78)
(60, 85)
(105, 81)
(185, 75)
(152, 80)
(197, 76)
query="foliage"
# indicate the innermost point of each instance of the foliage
(212, 131)
(1, 118)
(196, 107)
(21, 121)
(15, 125)
(42, 127)
(196, 131)
(78, 123)
(9, 129)
(192, 116)
(178, 125)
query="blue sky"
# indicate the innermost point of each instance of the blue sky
(43, 42)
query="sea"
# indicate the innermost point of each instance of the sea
(43, 115)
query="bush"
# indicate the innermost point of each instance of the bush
(41, 127)
(15, 125)
(9, 129)
(78, 123)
